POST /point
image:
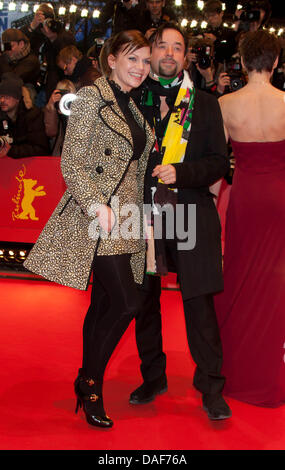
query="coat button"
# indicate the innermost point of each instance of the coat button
(99, 169)
(108, 152)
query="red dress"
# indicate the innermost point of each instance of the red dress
(251, 310)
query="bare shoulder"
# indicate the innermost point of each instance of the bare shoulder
(230, 98)
(227, 102)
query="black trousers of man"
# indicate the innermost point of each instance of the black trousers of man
(201, 327)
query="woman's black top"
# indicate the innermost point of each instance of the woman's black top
(138, 134)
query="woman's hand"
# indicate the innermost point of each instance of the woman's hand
(166, 173)
(106, 218)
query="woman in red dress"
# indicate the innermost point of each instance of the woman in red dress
(251, 310)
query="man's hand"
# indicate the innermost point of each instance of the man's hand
(223, 81)
(38, 19)
(211, 37)
(149, 32)
(166, 173)
(4, 150)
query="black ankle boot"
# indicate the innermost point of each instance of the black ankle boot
(89, 397)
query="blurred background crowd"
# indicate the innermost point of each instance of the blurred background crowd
(46, 58)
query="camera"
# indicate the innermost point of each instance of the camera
(237, 77)
(42, 78)
(4, 130)
(62, 92)
(54, 25)
(99, 43)
(203, 53)
(251, 14)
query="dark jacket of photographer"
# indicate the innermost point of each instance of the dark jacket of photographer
(84, 73)
(26, 67)
(146, 22)
(28, 132)
(35, 36)
(50, 51)
(121, 18)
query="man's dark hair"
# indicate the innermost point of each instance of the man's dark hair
(259, 50)
(213, 6)
(169, 25)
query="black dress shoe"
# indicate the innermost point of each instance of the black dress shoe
(148, 391)
(215, 406)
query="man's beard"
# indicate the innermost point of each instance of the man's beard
(167, 73)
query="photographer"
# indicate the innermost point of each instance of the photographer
(56, 38)
(93, 53)
(17, 57)
(253, 16)
(223, 39)
(200, 64)
(77, 67)
(123, 13)
(21, 129)
(33, 31)
(55, 121)
(153, 14)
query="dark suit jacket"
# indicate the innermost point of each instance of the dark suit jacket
(206, 161)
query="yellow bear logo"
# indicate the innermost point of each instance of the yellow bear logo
(30, 193)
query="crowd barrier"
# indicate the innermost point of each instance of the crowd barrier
(30, 189)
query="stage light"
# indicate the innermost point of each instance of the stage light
(272, 30)
(84, 13)
(72, 9)
(223, 6)
(1, 253)
(61, 11)
(11, 253)
(36, 7)
(281, 31)
(22, 254)
(193, 24)
(12, 6)
(204, 24)
(184, 22)
(24, 7)
(178, 3)
(239, 6)
(200, 4)
(1, 5)
(96, 13)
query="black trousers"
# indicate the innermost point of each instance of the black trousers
(202, 334)
(114, 302)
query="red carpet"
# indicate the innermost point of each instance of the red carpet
(41, 353)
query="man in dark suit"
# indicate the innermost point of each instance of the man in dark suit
(179, 173)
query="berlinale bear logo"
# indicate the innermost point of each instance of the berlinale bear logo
(25, 197)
